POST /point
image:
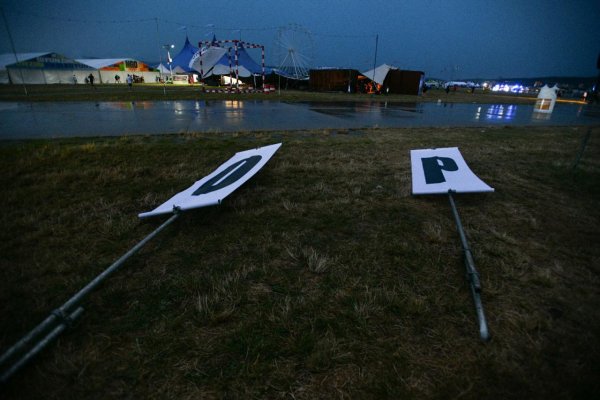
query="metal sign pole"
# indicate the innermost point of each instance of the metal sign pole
(472, 274)
(12, 45)
(40, 345)
(584, 142)
(61, 318)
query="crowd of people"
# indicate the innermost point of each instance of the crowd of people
(130, 80)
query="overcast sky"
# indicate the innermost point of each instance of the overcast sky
(444, 38)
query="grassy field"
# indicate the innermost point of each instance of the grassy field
(321, 278)
(170, 92)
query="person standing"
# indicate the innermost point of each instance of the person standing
(130, 81)
(91, 79)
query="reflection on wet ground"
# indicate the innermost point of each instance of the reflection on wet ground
(37, 120)
(356, 109)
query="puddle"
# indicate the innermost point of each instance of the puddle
(71, 119)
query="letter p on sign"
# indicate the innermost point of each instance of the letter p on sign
(437, 171)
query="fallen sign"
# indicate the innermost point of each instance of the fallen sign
(444, 171)
(439, 171)
(208, 191)
(212, 189)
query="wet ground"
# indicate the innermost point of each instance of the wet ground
(63, 119)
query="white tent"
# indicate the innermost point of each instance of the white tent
(109, 68)
(378, 74)
(9, 58)
(98, 63)
(179, 70)
(45, 68)
(162, 69)
(166, 70)
(204, 60)
(245, 66)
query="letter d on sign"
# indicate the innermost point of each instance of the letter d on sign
(213, 188)
(433, 167)
(228, 176)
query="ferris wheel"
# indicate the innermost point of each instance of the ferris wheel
(294, 50)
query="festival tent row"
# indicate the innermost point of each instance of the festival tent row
(52, 68)
(213, 59)
(229, 63)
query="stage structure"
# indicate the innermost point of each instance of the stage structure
(237, 45)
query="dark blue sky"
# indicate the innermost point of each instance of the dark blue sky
(444, 38)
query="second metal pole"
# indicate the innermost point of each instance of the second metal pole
(472, 274)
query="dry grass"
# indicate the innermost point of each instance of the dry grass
(321, 278)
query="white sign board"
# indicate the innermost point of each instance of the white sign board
(436, 171)
(213, 188)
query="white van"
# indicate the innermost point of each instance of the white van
(180, 80)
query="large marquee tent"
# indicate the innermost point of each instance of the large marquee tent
(205, 59)
(46, 68)
(234, 60)
(109, 68)
(7, 59)
(181, 62)
(246, 66)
